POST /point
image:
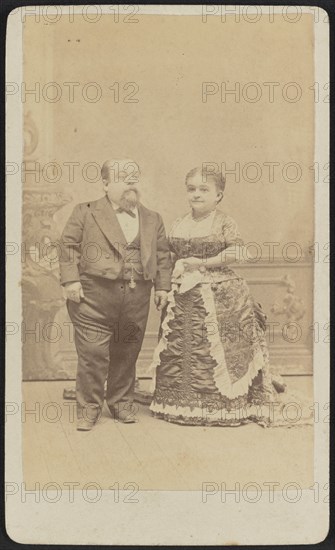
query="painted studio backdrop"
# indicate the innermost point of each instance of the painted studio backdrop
(172, 93)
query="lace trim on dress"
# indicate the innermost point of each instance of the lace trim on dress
(221, 374)
(276, 415)
(204, 416)
(223, 227)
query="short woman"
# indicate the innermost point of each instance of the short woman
(211, 365)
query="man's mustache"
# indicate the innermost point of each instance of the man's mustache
(129, 190)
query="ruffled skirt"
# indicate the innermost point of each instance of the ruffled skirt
(211, 366)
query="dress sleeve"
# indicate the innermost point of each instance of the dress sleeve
(173, 227)
(231, 233)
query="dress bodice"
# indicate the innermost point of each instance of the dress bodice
(200, 247)
(221, 233)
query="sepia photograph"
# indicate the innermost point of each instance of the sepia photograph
(167, 249)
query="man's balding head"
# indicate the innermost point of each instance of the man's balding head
(120, 178)
(114, 170)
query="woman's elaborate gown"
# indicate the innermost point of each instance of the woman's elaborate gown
(211, 366)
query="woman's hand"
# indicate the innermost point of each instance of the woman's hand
(192, 263)
(186, 265)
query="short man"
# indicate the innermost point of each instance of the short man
(112, 251)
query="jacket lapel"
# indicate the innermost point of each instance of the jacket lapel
(107, 221)
(146, 219)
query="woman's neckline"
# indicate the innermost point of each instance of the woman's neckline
(218, 214)
(199, 219)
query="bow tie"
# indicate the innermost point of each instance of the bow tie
(120, 210)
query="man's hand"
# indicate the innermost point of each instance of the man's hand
(160, 299)
(73, 291)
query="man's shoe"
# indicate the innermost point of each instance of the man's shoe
(124, 416)
(84, 425)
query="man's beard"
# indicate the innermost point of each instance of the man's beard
(129, 199)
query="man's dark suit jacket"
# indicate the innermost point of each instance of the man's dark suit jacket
(93, 243)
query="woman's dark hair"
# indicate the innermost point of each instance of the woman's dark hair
(217, 177)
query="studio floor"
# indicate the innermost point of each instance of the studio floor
(153, 454)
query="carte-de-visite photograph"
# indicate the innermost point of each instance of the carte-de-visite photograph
(168, 248)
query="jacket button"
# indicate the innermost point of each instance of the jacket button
(107, 256)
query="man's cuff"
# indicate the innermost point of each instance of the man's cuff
(69, 282)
